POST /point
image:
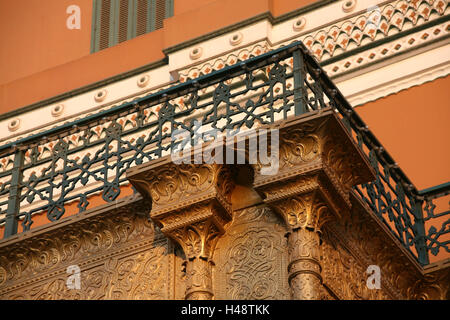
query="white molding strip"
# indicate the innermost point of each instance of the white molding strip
(397, 76)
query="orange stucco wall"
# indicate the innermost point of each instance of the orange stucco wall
(35, 37)
(413, 125)
(41, 58)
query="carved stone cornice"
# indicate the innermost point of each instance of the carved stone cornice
(191, 203)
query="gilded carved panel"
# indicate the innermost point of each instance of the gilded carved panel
(344, 275)
(251, 258)
(138, 276)
(119, 255)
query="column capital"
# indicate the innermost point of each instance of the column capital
(305, 210)
(191, 203)
(318, 164)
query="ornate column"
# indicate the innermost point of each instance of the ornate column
(191, 205)
(302, 213)
(318, 165)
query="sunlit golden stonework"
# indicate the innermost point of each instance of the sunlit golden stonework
(189, 236)
(115, 182)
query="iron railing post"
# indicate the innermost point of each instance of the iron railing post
(299, 75)
(14, 196)
(420, 241)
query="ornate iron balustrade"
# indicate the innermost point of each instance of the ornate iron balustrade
(436, 238)
(63, 168)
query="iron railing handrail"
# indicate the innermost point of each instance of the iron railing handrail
(178, 89)
(359, 125)
(436, 191)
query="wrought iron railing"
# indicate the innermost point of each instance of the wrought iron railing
(59, 172)
(438, 234)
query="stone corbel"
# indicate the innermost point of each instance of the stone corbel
(191, 204)
(318, 165)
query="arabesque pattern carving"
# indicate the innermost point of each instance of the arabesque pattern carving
(313, 146)
(251, 258)
(402, 277)
(119, 253)
(344, 275)
(141, 276)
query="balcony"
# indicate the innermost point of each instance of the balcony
(50, 179)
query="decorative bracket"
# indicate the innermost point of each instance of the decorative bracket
(191, 204)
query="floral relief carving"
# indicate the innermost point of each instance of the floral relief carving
(171, 186)
(298, 146)
(303, 210)
(105, 247)
(353, 243)
(139, 276)
(251, 257)
(143, 276)
(172, 183)
(198, 236)
(344, 274)
(87, 238)
(315, 154)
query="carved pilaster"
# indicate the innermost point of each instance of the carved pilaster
(303, 214)
(191, 205)
(197, 238)
(318, 165)
(199, 280)
(304, 266)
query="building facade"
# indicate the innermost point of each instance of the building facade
(318, 167)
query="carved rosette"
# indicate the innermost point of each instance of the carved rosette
(318, 165)
(191, 204)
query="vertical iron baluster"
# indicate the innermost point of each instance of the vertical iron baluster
(419, 225)
(14, 195)
(300, 104)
